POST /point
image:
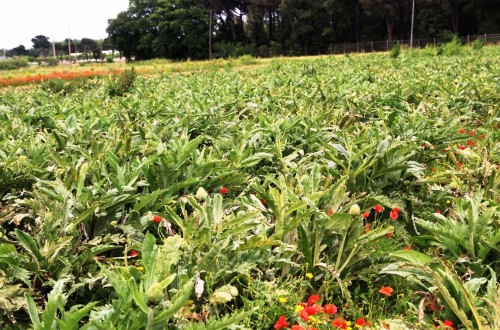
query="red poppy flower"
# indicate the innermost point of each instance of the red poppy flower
(471, 143)
(459, 165)
(312, 310)
(223, 190)
(461, 131)
(361, 322)
(448, 324)
(157, 219)
(438, 211)
(304, 315)
(282, 323)
(330, 212)
(378, 208)
(471, 133)
(297, 327)
(483, 136)
(407, 248)
(330, 309)
(366, 214)
(393, 215)
(313, 299)
(368, 227)
(134, 253)
(386, 290)
(462, 147)
(339, 323)
(389, 235)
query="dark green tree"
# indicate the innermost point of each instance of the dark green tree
(42, 44)
(17, 51)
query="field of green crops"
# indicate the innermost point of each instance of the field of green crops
(334, 193)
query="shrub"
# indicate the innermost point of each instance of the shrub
(120, 85)
(477, 44)
(52, 61)
(13, 63)
(109, 59)
(451, 48)
(396, 50)
(247, 60)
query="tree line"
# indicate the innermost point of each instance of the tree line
(42, 48)
(180, 29)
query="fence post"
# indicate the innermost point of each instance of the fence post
(468, 40)
(387, 45)
(485, 38)
(357, 45)
(434, 41)
(372, 46)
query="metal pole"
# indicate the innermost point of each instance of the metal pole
(412, 22)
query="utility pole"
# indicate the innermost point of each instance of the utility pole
(210, 34)
(412, 22)
(53, 48)
(69, 47)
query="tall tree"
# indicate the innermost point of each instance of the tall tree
(388, 10)
(88, 47)
(42, 44)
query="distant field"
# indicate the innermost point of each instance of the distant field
(334, 192)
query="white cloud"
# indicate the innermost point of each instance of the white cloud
(22, 20)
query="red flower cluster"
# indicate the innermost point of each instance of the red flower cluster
(361, 322)
(157, 219)
(306, 310)
(282, 323)
(447, 325)
(16, 81)
(339, 323)
(378, 208)
(223, 190)
(134, 253)
(394, 213)
(386, 290)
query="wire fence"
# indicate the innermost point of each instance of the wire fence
(384, 46)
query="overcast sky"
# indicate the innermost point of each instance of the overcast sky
(22, 20)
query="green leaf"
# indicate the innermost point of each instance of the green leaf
(412, 256)
(33, 312)
(177, 301)
(30, 246)
(255, 159)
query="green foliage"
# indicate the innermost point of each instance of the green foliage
(120, 85)
(109, 58)
(470, 238)
(395, 50)
(247, 60)
(51, 61)
(477, 44)
(201, 199)
(451, 48)
(13, 63)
